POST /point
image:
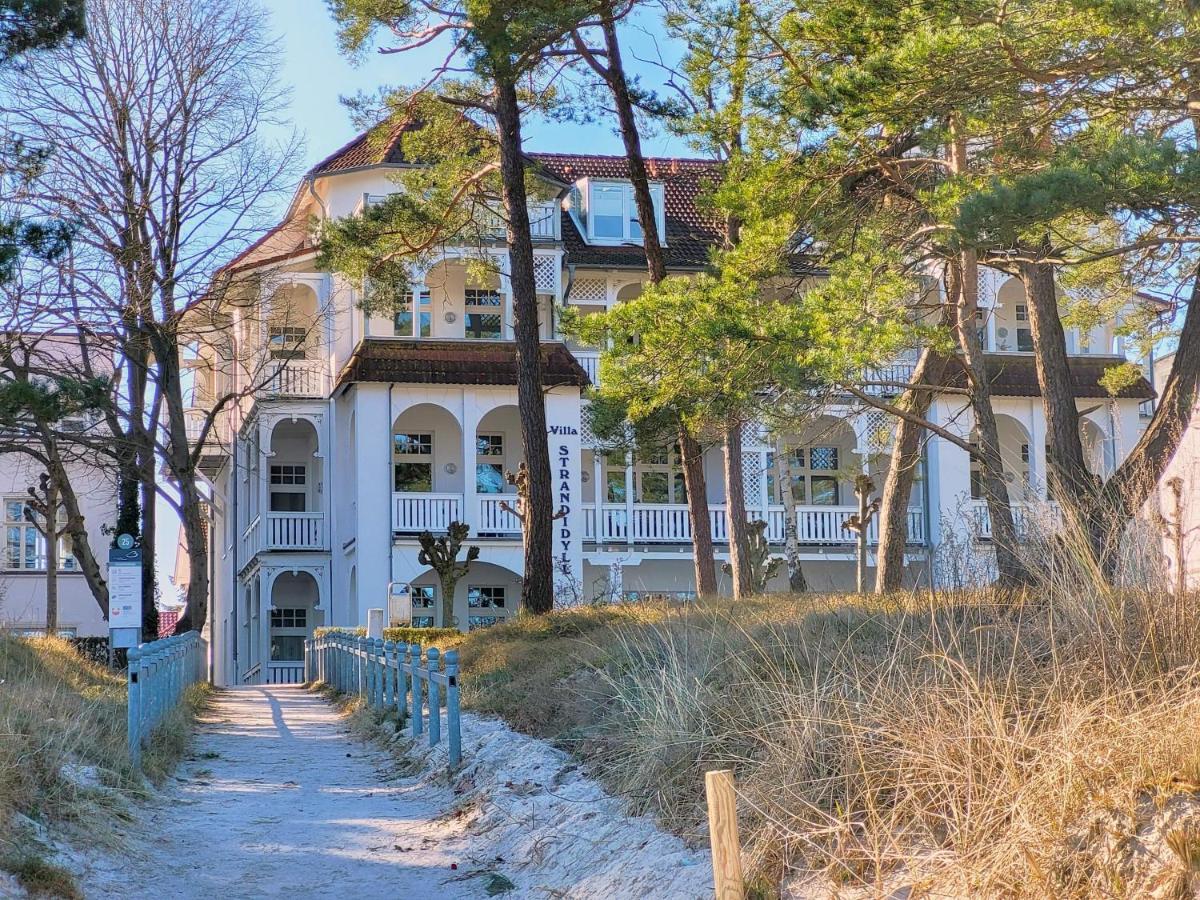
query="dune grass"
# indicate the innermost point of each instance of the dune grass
(64, 761)
(963, 743)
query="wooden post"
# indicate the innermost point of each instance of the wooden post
(723, 835)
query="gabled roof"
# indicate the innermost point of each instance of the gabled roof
(371, 148)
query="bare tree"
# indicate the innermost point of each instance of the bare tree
(158, 161)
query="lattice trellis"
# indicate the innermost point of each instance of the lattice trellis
(589, 290)
(752, 478)
(545, 274)
(878, 431)
(754, 435)
(989, 282)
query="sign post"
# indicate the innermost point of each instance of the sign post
(124, 593)
(400, 606)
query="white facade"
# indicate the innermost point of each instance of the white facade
(324, 477)
(23, 558)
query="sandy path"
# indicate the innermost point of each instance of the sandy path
(279, 800)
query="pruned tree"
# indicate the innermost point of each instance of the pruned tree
(860, 525)
(762, 565)
(441, 554)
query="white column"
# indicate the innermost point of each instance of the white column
(629, 495)
(469, 421)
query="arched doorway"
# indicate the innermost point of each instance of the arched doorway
(295, 514)
(427, 469)
(498, 451)
(294, 613)
(487, 595)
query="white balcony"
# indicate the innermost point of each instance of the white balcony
(669, 524)
(545, 220)
(413, 513)
(284, 531)
(494, 519)
(1036, 518)
(295, 378)
(294, 531)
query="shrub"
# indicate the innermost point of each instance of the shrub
(442, 638)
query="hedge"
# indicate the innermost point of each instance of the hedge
(407, 635)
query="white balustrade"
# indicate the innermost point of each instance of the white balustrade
(495, 519)
(295, 531)
(655, 523)
(425, 512)
(590, 361)
(296, 378)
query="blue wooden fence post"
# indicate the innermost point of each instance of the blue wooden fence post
(381, 673)
(135, 706)
(417, 695)
(389, 694)
(435, 706)
(453, 727)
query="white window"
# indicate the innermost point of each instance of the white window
(485, 597)
(816, 474)
(483, 312)
(489, 464)
(286, 342)
(413, 463)
(25, 547)
(289, 628)
(403, 321)
(289, 488)
(658, 477)
(611, 215)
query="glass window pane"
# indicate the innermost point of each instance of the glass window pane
(484, 326)
(489, 479)
(413, 444)
(288, 501)
(823, 459)
(489, 445)
(606, 211)
(680, 488)
(1024, 340)
(654, 487)
(824, 491)
(414, 477)
(287, 647)
(615, 487)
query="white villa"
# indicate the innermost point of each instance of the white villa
(23, 564)
(363, 431)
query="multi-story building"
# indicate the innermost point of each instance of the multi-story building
(23, 564)
(362, 430)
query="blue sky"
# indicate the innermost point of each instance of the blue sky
(318, 76)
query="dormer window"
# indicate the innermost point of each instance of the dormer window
(607, 212)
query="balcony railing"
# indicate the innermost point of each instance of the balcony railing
(544, 222)
(1029, 518)
(654, 523)
(590, 361)
(495, 519)
(295, 378)
(413, 513)
(295, 531)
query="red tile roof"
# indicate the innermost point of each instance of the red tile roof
(423, 361)
(374, 147)
(692, 231)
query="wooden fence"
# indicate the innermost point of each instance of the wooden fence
(392, 677)
(159, 673)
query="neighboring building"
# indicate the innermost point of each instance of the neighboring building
(1175, 508)
(23, 565)
(365, 430)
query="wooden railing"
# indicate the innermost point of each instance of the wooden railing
(590, 361)
(1027, 517)
(654, 523)
(414, 513)
(285, 672)
(392, 677)
(295, 531)
(495, 519)
(295, 378)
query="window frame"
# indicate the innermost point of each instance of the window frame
(294, 343)
(422, 458)
(494, 307)
(486, 446)
(67, 563)
(628, 212)
(425, 311)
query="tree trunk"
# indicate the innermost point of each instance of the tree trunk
(735, 513)
(1074, 487)
(691, 457)
(149, 482)
(863, 493)
(448, 586)
(627, 122)
(690, 452)
(537, 594)
(75, 527)
(51, 535)
(797, 583)
(902, 470)
(1010, 571)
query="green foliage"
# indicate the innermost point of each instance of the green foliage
(50, 400)
(38, 24)
(404, 634)
(1120, 377)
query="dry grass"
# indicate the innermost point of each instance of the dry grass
(60, 713)
(963, 744)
